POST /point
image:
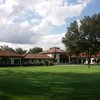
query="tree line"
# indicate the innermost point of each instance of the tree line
(83, 36)
(21, 50)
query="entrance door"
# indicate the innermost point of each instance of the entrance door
(63, 59)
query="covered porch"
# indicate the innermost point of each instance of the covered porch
(7, 61)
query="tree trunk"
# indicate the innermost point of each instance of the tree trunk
(89, 60)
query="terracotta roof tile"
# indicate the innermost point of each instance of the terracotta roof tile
(83, 55)
(54, 50)
(98, 55)
(5, 53)
(37, 56)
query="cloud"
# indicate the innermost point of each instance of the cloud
(57, 11)
(17, 27)
(25, 24)
(13, 33)
(23, 33)
(42, 27)
(7, 5)
(51, 40)
(34, 21)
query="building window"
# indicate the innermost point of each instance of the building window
(25, 60)
(55, 60)
(54, 56)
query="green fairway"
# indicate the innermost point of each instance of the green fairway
(50, 83)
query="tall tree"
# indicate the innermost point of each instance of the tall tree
(90, 35)
(35, 50)
(20, 51)
(84, 38)
(6, 47)
(71, 39)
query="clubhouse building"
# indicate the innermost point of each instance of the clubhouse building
(51, 56)
(8, 58)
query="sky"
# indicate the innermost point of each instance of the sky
(40, 23)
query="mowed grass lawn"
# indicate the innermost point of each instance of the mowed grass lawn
(76, 82)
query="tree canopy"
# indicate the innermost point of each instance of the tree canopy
(6, 47)
(71, 38)
(35, 50)
(20, 51)
(83, 37)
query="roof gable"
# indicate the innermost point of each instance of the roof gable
(5, 53)
(54, 50)
(37, 56)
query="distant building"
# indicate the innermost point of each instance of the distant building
(8, 58)
(36, 59)
(83, 59)
(60, 56)
(51, 56)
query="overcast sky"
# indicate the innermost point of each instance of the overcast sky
(42, 23)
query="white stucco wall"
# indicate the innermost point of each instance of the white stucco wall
(12, 60)
(57, 58)
(91, 61)
(50, 55)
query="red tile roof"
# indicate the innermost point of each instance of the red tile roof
(98, 55)
(54, 50)
(37, 56)
(83, 55)
(5, 53)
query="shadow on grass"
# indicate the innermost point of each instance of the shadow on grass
(49, 86)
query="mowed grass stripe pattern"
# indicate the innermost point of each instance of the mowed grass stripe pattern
(76, 82)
